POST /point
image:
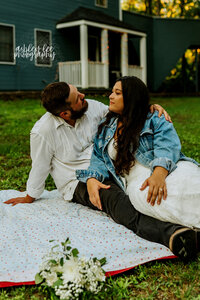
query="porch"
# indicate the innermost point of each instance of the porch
(105, 52)
(71, 72)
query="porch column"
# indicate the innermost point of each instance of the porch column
(105, 57)
(143, 58)
(84, 55)
(124, 54)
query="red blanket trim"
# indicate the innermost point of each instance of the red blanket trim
(8, 283)
(112, 273)
(109, 273)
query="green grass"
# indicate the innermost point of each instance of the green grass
(155, 280)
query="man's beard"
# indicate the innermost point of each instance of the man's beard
(77, 114)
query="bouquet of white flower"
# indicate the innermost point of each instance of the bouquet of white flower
(69, 276)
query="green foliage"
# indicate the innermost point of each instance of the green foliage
(163, 8)
(185, 114)
(38, 279)
(155, 280)
(182, 78)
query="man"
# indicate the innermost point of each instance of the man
(61, 143)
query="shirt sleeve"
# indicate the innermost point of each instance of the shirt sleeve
(166, 145)
(103, 110)
(41, 155)
(99, 108)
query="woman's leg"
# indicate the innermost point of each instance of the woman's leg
(117, 205)
(182, 205)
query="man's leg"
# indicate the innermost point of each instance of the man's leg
(117, 205)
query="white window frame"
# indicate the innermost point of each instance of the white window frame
(14, 59)
(50, 35)
(104, 6)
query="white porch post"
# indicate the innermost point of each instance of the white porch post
(105, 57)
(84, 55)
(124, 54)
(120, 11)
(143, 58)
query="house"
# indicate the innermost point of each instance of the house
(88, 43)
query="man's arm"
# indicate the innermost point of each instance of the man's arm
(161, 111)
(104, 110)
(14, 201)
(41, 155)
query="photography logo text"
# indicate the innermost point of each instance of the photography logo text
(31, 52)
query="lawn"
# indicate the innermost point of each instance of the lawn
(156, 280)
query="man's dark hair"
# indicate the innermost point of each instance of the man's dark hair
(54, 97)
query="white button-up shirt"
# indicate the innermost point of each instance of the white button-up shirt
(59, 149)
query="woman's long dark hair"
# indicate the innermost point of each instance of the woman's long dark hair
(136, 108)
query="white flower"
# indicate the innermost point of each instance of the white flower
(78, 275)
(71, 270)
(57, 269)
(51, 278)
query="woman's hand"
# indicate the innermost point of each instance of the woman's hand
(93, 187)
(161, 111)
(157, 186)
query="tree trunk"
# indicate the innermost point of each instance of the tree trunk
(148, 4)
(159, 7)
(182, 7)
(184, 74)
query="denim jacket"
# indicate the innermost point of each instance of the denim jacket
(159, 145)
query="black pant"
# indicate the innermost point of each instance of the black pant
(117, 205)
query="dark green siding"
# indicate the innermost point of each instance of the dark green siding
(112, 9)
(27, 15)
(167, 40)
(172, 38)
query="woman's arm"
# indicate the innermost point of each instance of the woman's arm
(97, 168)
(166, 145)
(95, 175)
(166, 150)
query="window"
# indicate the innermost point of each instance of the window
(7, 44)
(43, 46)
(102, 3)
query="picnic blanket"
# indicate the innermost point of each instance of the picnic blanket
(26, 230)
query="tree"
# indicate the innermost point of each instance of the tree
(164, 8)
(184, 76)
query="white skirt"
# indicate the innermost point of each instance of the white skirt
(182, 205)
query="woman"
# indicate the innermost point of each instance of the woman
(143, 150)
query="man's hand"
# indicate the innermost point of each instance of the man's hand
(157, 186)
(93, 187)
(161, 111)
(14, 201)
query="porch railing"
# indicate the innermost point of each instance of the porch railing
(96, 74)
(135, 71)
(70, 72)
